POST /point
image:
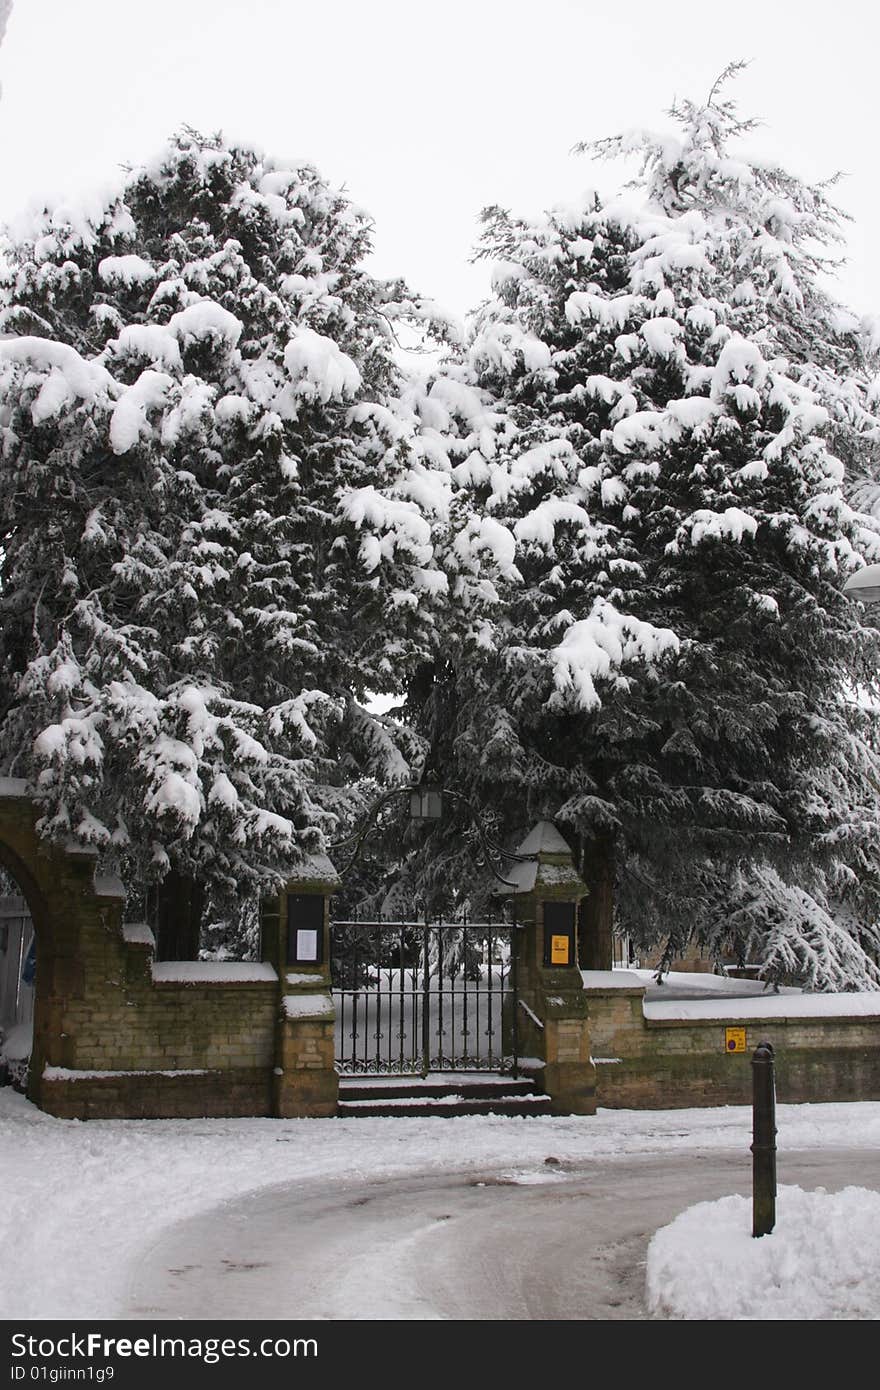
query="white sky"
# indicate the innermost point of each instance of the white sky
(428, 112)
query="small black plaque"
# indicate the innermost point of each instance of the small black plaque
(305, 929)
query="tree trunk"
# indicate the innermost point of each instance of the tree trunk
(596, 916)
(179, 904)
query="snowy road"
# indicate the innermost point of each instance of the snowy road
(541, 1241)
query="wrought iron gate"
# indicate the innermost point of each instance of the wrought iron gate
(419, 997)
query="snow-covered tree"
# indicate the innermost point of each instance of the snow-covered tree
(193, 373)
(649, 426)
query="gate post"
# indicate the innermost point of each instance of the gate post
(552, 1022)
(763, 1140)
(295, 939)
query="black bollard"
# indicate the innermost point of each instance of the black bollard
(763, 1140)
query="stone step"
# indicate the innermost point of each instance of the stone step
(446, 1094)
(471, 1086)
(446, 1106)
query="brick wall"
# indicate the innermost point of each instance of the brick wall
(167, 1048)
(651, 1063)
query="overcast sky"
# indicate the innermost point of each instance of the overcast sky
(428, 112)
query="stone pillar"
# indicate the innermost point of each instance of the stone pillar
(552, 1018)
(295, 939)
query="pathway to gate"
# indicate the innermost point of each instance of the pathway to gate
(419, 997)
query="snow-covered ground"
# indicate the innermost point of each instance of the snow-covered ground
(84, 1201)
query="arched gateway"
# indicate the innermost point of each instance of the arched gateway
(120, 1035)
(77, 926)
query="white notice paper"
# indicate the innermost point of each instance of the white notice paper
(307, 945)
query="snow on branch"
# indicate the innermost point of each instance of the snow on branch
(319, 367)
(794, 934)
(733, 524)
(597, 647)
(68, 375)
(388, 523)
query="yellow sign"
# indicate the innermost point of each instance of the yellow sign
(559, 949)
(734, 1040)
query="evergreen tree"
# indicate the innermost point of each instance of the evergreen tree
(652, 419)
(194, 373)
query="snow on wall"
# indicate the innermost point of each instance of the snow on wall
(17, 1044)
(14, 786)
(308, 1006)
(109, 886)
(70, 1074)
(138, 934)
(717, 997)
(212, 972)
(769, 1006)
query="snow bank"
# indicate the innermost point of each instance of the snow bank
(822, 1260)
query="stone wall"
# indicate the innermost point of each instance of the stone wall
(660, 1063)
(177, 1039)
(77, 924)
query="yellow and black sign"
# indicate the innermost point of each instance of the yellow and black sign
(560, 950)
(559, 929)
(734, 1040)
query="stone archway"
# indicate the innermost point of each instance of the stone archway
(77, 924)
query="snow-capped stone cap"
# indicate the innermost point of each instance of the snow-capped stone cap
(549, 867)
(138, 934)
(864, 584)
(14, 787)
(544, 838)
(109, 886)
(316, 868)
